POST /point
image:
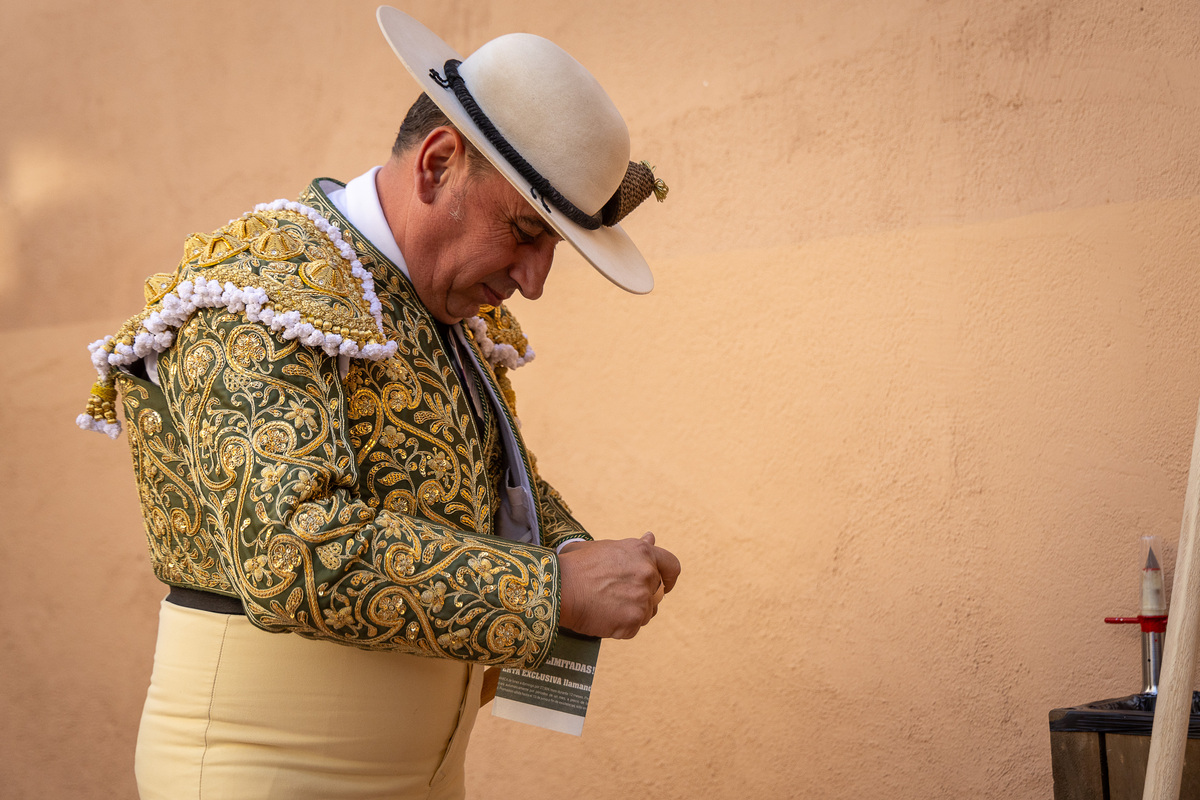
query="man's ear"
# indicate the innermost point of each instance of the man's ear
(440, 157)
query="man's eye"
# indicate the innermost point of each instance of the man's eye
(522, 236)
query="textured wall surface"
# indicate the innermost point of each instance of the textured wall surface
(918, 370)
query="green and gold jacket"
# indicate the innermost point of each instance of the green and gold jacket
(309, 448)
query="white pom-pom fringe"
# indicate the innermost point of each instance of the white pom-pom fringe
(89, 423)
(503, 355)
(100, 356)
(156, 333)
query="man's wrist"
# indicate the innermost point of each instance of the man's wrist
(566, 583)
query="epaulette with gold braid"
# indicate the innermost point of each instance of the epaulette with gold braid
(283, 265)
(500, 337)
(503, 344)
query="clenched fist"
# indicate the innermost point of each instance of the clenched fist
(612, 587)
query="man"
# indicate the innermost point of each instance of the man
(325, 444)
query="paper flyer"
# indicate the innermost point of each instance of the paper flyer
(556, 695)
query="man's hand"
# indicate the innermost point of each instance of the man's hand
(612, 587)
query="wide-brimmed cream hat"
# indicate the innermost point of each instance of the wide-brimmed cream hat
(547, 125)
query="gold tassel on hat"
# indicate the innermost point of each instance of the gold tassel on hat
(660, 188)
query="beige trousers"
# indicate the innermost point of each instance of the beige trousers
(234, 712)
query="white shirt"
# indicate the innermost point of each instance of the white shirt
(359, 204)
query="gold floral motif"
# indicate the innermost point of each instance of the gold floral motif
(337, 618)
(401, 501)
(180, 521)
(233, 455)
(247, 349)
(256, 568)
(307, 484)
(284, 556)
(208, 432)
(434, 597)
(430, 494)
(198, 363)
(275, 438)
(356, 510)
(400, 562)
(150, 422)
(438, 463)
(513, 593)
(391, 438)
(301, 416)
(454, 640)
(484, 568)
(270, 475)
(309, 519)
(387, 607)
(504, 634)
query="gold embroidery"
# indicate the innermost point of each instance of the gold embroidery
(388, 607)
(358, 510)
(264, 444)
(252, 253)
(218, 248)
(330, 555)
(150, 422)
(157, 286)
(182, 549)
(251, 226)
(503, 328)
(276, 244)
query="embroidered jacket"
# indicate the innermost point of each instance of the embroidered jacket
(356, 505)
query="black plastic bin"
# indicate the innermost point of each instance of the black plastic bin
(1099, 750)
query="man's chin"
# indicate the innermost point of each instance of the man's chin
(457, 315)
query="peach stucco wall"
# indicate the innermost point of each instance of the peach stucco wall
(919, 369)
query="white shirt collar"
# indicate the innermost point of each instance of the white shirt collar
(359, 204)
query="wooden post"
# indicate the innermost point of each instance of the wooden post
(1173, 709)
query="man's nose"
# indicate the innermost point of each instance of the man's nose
(532, 267)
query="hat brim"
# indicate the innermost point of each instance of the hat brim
(608, 249)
